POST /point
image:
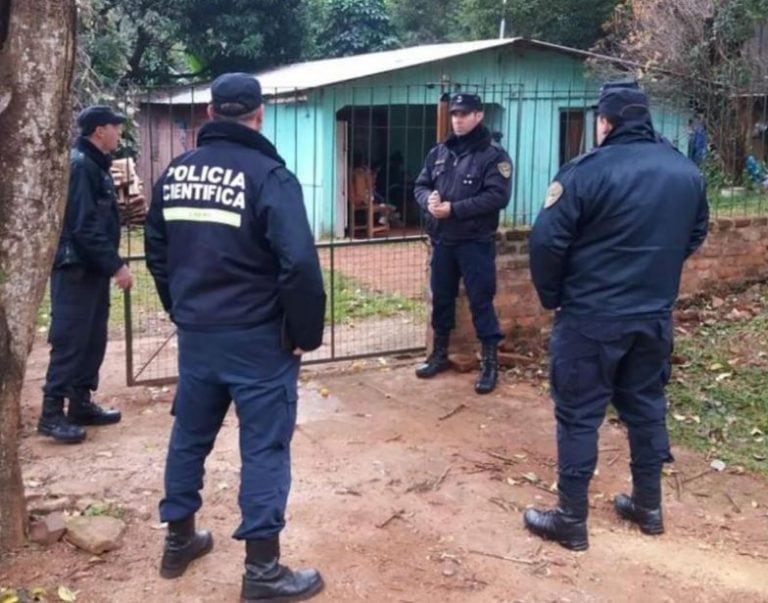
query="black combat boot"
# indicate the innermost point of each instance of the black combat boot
(650, 521)
(183, 544)
(566, 525)
(437, 361)
(489, 369)
(84, 411)
(266, 580)
(54, 424)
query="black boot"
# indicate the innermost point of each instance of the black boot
(266, 580)
(566, 525)
(650, 521)
(54, 424)
(84, 411)
(183, 544)
(437, 361)
(489, 369)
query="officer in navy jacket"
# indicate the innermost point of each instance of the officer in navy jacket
(86, 259)
(464, 185)
(229, 245)
(606, 253)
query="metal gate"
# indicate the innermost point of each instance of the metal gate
(376, 307)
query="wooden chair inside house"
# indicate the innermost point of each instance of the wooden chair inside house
(364, 215)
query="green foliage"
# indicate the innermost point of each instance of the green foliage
(565, 22)
(242, 35)
(124, 43)
(427, 22)
(349, 27)
(717, 398)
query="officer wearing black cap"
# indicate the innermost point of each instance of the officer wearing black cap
(606, 254)
(464, 185)
(229, 245)
(86, 259)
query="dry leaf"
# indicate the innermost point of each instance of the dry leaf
(66, 594)
(531, 477)
(718, 465)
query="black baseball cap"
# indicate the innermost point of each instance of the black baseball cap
(94, 116)
(462, 101)
(234, 94)
(623, 100)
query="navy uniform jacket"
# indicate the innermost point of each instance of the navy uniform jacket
(617, 226)
(228, 242)
(90, 234)
(474, 174)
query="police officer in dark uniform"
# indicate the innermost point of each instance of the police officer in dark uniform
(465, 183)
(607, 253)
(230, 248)
(86, 259)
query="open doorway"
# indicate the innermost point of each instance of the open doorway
(385, 147)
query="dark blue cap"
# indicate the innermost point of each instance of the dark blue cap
(234, 94)
(463, 101)
(623, 100)
(94, 116)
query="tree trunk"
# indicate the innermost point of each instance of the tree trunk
(36, 64)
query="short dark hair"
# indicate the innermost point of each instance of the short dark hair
(244, 117)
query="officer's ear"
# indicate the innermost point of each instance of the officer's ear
(211, 113)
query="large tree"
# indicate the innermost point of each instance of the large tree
(699, 55)
(242, 35)
(126, 43)
(426, 22)
(348, 27)
(566, 22)
(37, 50)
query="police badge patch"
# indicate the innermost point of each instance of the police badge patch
(505, 169)
(554, 192)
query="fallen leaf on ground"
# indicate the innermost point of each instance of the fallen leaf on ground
(718, 465)
(66, 594)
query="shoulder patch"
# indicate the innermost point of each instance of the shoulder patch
(505, 168)
(554, 192)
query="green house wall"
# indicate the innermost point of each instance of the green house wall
(524, 93)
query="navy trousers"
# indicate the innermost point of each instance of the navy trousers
(248, 367)
(78, 331)
(621, 361)
(475, 262)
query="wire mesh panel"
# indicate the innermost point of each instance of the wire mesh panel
(376, 297)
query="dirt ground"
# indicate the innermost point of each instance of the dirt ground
(395, 500)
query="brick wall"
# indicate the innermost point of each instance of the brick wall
(735, 253)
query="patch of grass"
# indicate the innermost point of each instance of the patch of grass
(104, 509)
(718, 398)
(352, 301)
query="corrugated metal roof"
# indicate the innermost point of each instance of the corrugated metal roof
(301, 77)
